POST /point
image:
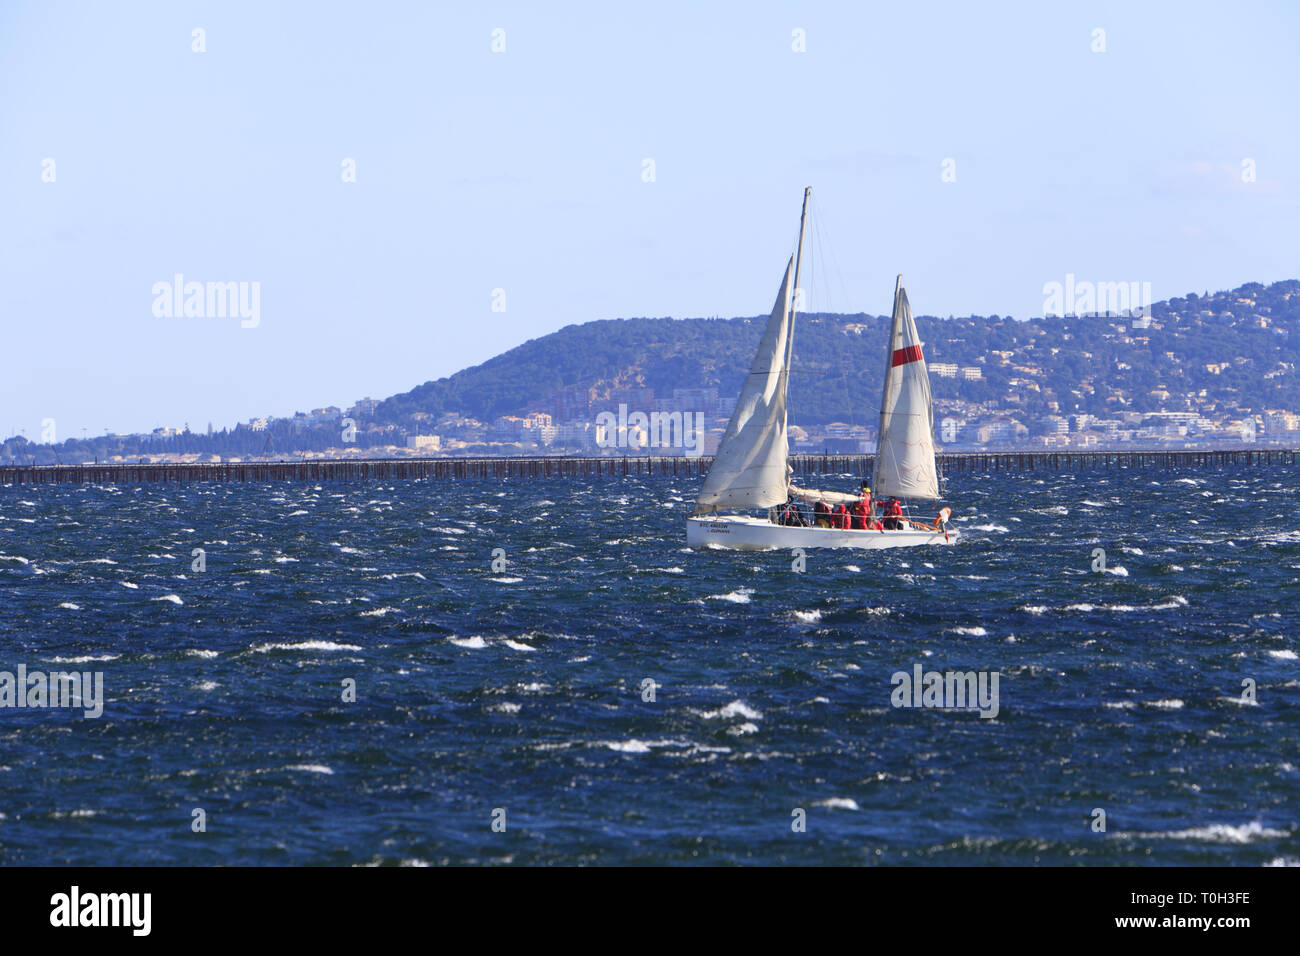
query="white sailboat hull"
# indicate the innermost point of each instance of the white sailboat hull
(747, 533)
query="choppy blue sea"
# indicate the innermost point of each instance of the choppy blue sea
(1162, 690)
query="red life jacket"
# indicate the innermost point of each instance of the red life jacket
(895, 509)
(860, 511)
(840, 517)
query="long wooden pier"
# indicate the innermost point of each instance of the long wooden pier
(543, 467)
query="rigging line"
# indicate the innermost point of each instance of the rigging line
(830, 271)
(817, 274)
(806, 281)
(832, 268)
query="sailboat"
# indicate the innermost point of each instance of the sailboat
(751, 469)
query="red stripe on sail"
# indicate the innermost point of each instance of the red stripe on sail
(910, 354)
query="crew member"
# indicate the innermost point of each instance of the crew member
(792, 515)
(862, 509)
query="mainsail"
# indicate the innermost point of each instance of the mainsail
(905, 449)
(750, 469)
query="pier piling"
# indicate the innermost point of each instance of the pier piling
(549, 467)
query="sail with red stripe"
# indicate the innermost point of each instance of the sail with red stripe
(905, 465)
(911, 353)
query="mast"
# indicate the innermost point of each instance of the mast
(889, 350)
(884, 385)
(798, 259)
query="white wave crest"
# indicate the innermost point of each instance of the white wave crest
(737, 708)
(474, 643)
(1220, 833)
(305, 646)
(838, 803)
(628, 746)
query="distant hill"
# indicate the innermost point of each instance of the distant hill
(1233, 352)
(1084, 363)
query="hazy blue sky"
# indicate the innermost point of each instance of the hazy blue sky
(523, 171)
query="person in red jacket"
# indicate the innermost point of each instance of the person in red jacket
(840, 517)
(862, 510)
(894, 515)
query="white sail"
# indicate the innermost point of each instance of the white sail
(833, 497)
(905, 450)
(750, 469)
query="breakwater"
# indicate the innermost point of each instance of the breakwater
(542, 467)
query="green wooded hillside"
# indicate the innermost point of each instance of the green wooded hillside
(837, 375)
